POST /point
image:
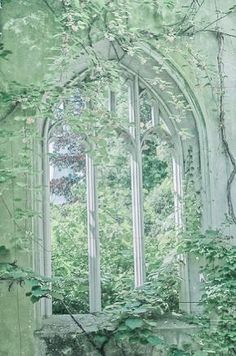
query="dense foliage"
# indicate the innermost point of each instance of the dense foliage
(216, 255)
(70, 256)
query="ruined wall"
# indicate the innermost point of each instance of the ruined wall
(27, 31)
(62, 336)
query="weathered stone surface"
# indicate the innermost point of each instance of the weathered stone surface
(60, 335)
(27, 30)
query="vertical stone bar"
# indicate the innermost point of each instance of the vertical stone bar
(184, 296)
(155, 114)
(47, 244)
(136, 185)
(93, 238)
(111, 101)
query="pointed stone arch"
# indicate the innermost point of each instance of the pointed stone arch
(193, 122)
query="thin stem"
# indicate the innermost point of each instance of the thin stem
(10, 111)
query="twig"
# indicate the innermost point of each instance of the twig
(88, 336)
(213, 22)
(220, 39)
(49, 6)
(223, 33)
(10, 111)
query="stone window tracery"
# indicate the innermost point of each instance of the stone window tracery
(136, 131)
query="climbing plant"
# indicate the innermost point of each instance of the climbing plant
(216, 255)
(81, 24)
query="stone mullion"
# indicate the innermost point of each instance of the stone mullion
(47, 243)
(93, 238)
(177, 195)
(155, 114)
(185, 297)
(136, 185)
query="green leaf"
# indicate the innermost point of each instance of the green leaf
(154, 340)
(32, 282)
(151, 322)
(57, 295)
(34, 299)
(19, 275)
(122, 328)
(134, 323)
(39, 292)
(4, 53)
(101, 339)
(4, 251)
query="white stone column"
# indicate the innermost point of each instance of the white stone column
(184, 295)
(155, 114)
(93, 238)
(46, 264)
(178, 194)
(136, 185)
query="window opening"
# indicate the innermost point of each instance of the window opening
(69, 218)
(158, 197)
(115, 201)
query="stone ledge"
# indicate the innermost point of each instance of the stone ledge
(59, 324)
(61, 336)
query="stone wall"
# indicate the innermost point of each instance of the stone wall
(27, 31)
(61, 336)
